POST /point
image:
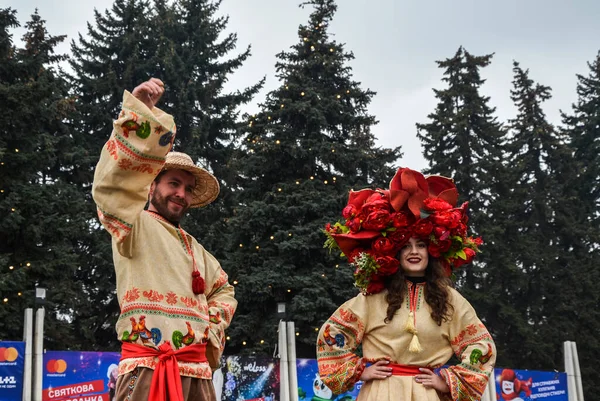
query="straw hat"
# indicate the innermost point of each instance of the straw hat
(207, 186)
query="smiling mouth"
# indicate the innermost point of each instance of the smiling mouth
(176, 203)
(414, 260)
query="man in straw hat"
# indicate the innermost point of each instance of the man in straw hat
(175, 299)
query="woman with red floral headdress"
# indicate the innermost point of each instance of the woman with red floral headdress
(397, 335)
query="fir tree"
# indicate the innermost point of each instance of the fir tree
(576, 313)
(535, 161)
(583, 129)
(308, 146)
(464, 140)
(44, 220)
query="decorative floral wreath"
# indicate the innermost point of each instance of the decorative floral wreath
(378, 223)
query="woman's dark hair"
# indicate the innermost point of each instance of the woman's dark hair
(436, 292)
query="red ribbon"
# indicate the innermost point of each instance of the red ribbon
(404, 370)
(166, 381)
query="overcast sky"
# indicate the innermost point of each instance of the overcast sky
(396, 44)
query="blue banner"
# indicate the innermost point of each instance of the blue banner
(528, 385)
(79, 375)
(12, 366)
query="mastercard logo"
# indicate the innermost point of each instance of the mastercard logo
(56, 366)
(8, 354)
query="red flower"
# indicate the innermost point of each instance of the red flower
(384, 246)
(354, 254)
(387, 265)
(436, 249)
(349, 211)
(408, 189)
(436, 204)
(423, 228)
(470, 254)
(375, 285)
(447, 218)
(402, 219)
(442, 188)
(400, 236)
(378, 204)
(354, 225)
(458, 261)
(441, 233)
(377, 220)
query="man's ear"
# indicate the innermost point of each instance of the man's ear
(152, 187)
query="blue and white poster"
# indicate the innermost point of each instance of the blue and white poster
(70, 375)
(527, 385)
(12, 366)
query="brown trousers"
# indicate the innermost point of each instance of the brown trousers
(135, 386)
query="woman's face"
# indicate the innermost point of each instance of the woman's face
(414, 258)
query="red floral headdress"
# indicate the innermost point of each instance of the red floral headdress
(378, 223)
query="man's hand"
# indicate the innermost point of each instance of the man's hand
(430, 380)
(377, 371)
(149, 92)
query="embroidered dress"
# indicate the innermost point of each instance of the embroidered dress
(153, 258)
(360, 322)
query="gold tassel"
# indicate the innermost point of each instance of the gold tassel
(410, 323)
(415, 345)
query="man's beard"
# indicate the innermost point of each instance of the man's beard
(161, 205)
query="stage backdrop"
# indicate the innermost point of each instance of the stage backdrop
(75, 376)
(12, 366)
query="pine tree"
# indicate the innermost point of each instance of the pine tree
(537, 161)
(576, 313)
(40, 233)
(583, 128)
(464, 140)
(308, 146)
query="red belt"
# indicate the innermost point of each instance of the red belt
(404, 370)
(166, 381)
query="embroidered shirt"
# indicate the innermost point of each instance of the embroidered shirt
(153, 266)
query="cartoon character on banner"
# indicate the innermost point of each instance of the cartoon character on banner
(323, 393)
(511, 387)
(112, 374)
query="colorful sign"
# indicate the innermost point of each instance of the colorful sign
(79, 376)
(249, 379)
(527, 385)
(12, 366)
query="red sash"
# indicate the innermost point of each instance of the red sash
(404, 370)
(166, 382)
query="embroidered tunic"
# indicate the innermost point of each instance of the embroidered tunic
(152, 262)
(360, 322)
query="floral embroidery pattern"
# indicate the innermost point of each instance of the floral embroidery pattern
(132, 295)
(171, 298)
(117, 227)
(189, 302)
(153, 296)
(111, 147)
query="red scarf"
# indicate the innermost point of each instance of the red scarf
(166, 381)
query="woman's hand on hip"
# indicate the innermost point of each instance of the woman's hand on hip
(431, 380)
(377, 371)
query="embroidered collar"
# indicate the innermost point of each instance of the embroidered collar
(160, 217)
